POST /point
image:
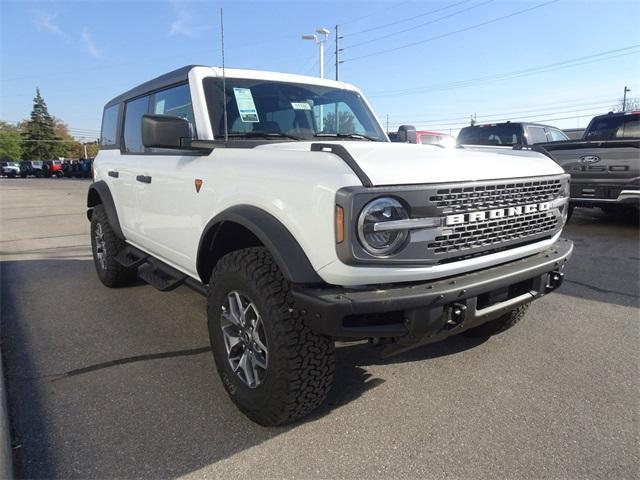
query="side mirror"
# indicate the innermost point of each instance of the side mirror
(165, 131)
(407, 134)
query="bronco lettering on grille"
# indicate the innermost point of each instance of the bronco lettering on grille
(462, 218)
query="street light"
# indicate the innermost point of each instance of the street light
(319, 37)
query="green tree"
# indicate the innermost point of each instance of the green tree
(40, 141)
(346, 125)
(10, 142)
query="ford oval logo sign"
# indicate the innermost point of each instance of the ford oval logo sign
(589, 159)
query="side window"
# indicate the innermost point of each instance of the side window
(536, 135)
(133, 113)
(109, 132)
(429, 140)
(557, 136)
(175, 101)
(629, 130)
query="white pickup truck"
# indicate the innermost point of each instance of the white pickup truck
(281, 199)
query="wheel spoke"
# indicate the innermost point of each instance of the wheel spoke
(231, 319)
(230, 339)
(259, 360)
(247, 369)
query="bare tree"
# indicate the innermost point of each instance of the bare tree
(631, 105)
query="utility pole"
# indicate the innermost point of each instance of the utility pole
(85, 150)
(387, 123)
(624, 99)
(338, 50)
(473, 119)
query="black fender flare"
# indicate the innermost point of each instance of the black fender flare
(286, 250)
(99, 194)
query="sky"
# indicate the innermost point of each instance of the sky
(428, 63)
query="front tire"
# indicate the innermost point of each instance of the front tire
(499, 325)
(273, 366)
(105, 245)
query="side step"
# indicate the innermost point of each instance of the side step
(131, 257)
(161, 276)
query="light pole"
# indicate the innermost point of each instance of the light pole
(319, 37)
(624, 99)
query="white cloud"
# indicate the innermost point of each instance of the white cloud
(45, 22)
(89, 44)
(185, 22)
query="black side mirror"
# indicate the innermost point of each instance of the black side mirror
(407, 134)
(165, 131)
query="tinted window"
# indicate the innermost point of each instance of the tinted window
(133, 113)
(109, 133)
(613, 126)
(557, 135)
(498, 134)
(175, 101)
(536, 134)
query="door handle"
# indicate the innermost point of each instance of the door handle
(143, 178)
(113, 173)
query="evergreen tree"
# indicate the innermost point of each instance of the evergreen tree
(40, 141)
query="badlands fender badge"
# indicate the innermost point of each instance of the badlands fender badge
(198, 183)
(463, 218)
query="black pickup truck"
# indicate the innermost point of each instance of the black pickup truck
(604, 164)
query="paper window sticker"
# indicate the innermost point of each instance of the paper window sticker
(246, 106)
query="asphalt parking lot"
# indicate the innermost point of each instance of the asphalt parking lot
(120, 383)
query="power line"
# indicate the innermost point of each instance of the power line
(405, 19)
(492, 118)
(399, 32)
(444, 35)
(553, 108)
(376, 12)
(513, 74)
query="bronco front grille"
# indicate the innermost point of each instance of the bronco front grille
(494, 232)
(484, 197)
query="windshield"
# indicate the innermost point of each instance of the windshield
(613, 127)
(497, 134)
(294, 110)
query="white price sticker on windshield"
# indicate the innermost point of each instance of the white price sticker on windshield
(246, 107)
(300, 106)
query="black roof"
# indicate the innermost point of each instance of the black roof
(511, 123)
(166, 80)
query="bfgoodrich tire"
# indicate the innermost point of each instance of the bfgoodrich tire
(505, 322)
(105, 245)
(274, 368)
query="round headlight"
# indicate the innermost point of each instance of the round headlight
(380, 241)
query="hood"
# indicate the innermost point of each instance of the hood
(388, 163)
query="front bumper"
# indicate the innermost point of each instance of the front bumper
(418, 313)
(597, 193)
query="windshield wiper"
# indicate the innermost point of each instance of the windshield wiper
(357, 136)
(265, 135)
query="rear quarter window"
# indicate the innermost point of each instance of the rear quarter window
(109, 131)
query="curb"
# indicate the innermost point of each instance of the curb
(6, 456)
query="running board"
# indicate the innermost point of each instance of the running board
(131, 257)
(161, 276)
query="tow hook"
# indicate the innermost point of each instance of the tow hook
(554, 280)
(456, 313)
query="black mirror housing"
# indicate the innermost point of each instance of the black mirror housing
(165, 131)
(407, 134)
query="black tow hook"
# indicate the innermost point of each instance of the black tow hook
(456, 313)
(554, 280)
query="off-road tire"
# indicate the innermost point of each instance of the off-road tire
(113, 274)
(300, 364)
(499, 325)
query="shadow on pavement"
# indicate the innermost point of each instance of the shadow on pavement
(120, 383)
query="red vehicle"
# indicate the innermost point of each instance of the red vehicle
(425, 137)
(52, 168)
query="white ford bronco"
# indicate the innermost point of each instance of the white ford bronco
(281, 199)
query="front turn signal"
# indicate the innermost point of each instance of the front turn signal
(339, 224)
